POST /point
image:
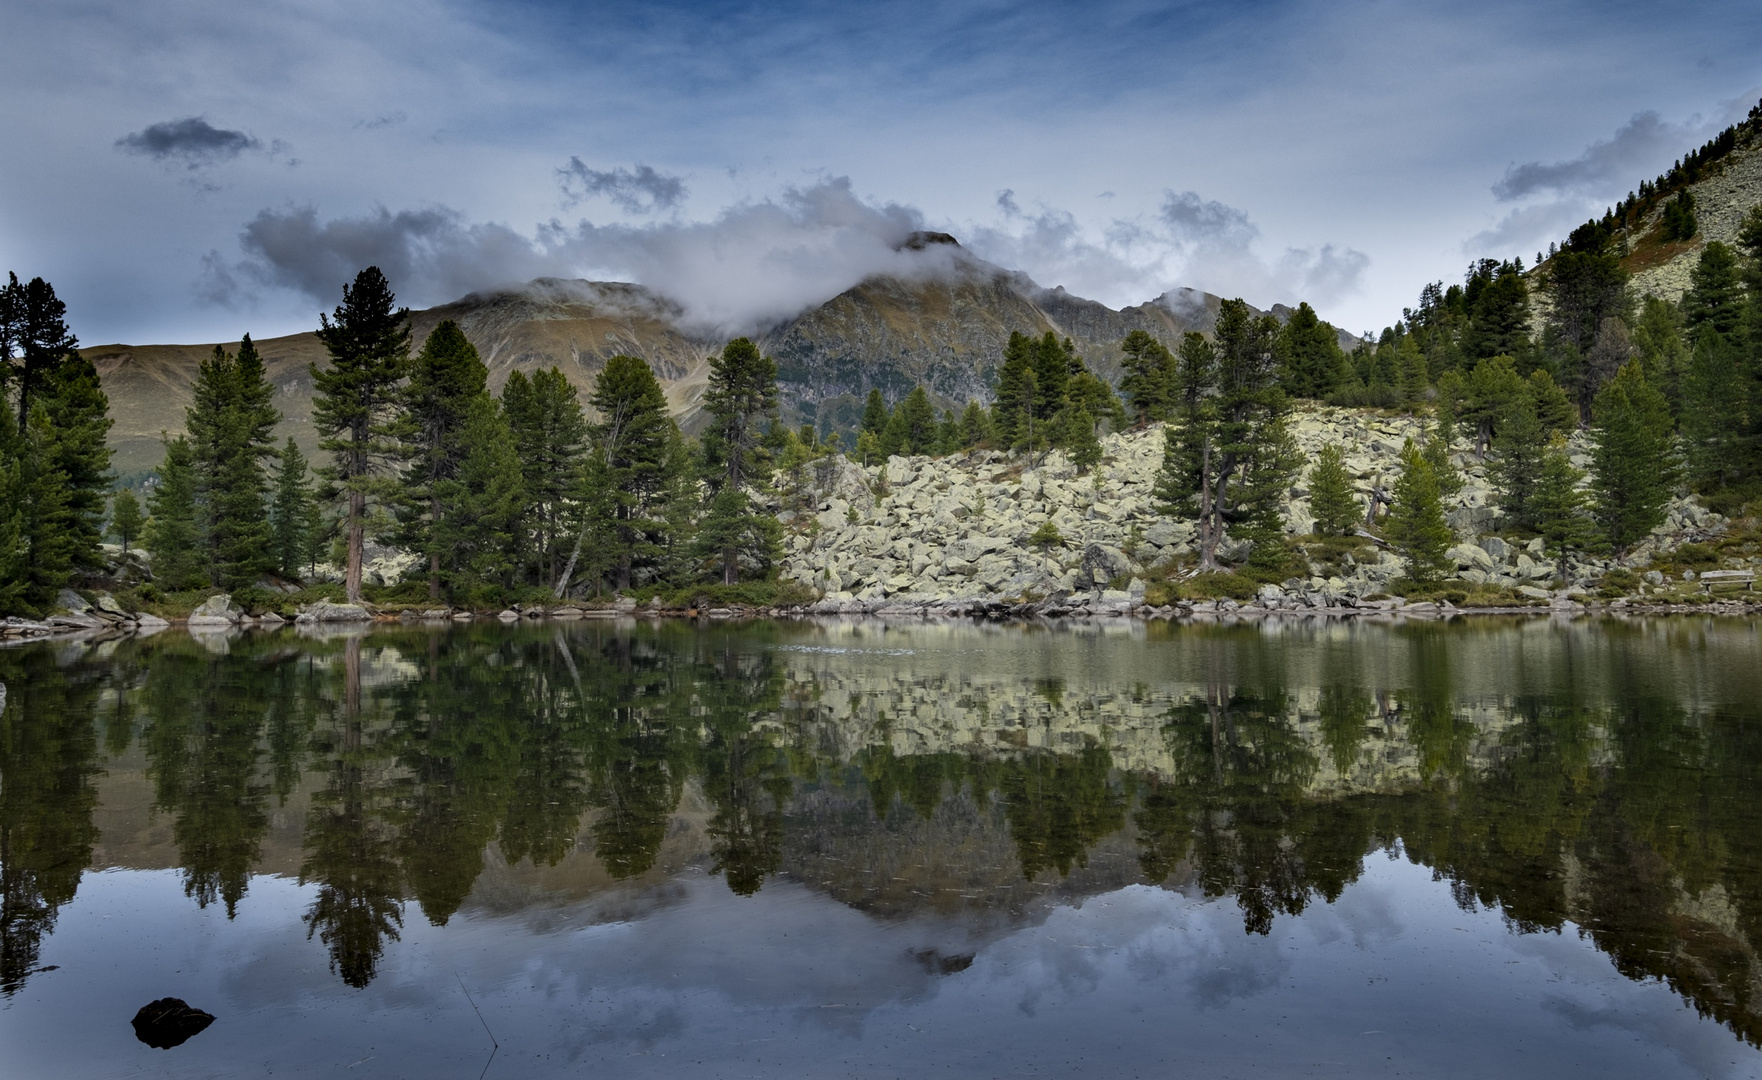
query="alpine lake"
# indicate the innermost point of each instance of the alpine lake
(1488, 847)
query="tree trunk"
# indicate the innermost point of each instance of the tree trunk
(730, 566)
(434, 513)
(357, 544)
(1208, 523)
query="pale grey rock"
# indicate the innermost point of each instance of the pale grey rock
(1653, 577)
(72, 602)
(111, 605)
(1101, 564)
(150, 623)
(1533, 593)
(324, 611)
(1470, 557)
(1498, 550)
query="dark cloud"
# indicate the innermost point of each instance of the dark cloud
(392, 119)
(1638, 149)
(642, 191)
(192, 140)
(1206, 222)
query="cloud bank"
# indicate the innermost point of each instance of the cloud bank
(758, 263)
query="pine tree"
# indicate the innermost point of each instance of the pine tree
(1012, 412)
(1311, 356)
(75, 420)
(125, 517)
(742, 390)
(1553, 408)
(1493, 387)
(636, 437)
(1715, 415)
(447, 377)
(975, 426)
(1331, 498)
(1715, 298)
(1518, 453)
(1149, 378)
(355, 401)
(1416, 524)
(1561, 509)
(173, 530)
(1082, 448)
(875, 413)
(1663, 354)
(230, 424)
(1054, 363)
(290, 520)
(484, 499)
(34, 340)
(912, 428)
(13, 496)
(1633, 465)
(550, 438)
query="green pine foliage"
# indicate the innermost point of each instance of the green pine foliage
(875, 413)
(1633, 465)
(1561, 509)
(1678, 220)
(1082, 448)
(1715, 298)
(173, 533)
(13, 496)
(356, 402)
(912, 428)
(291, 528)
(230, 425)
(1518, 454)
(478, 538)
(447, 377)
(975, 426)
(742, 392)
(1149, 381)
(74, 425)
(125, 518)
(1332, 501)
(1012, 412)
(1309, 350)
(1716, 399)
(1416, 524)
(551, 436)
(636, 437)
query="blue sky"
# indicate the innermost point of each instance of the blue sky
(189, 171)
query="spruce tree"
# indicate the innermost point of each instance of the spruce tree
(742, 391)
(447, 377)
(355, 401)
(1663, 353)
(34, 340)
(477, 536)
(290, 519)
(75, 423)
(551, 439)
(875, 413)
(231, 424)
(125, 518)
(13, 496)
(1012, 412)
(1149, 380)
(1416, 524)
(1716, 439)
(48, 546)
(173, 530)
(1310, 353)
(1518, 453)
(1229, 430)
(1633, 465)
(1562, 510)
(975, 426)
(636, 437)
(912, 428)
(1054, 364)
(1715, 298)
(1332, 501)
(1082, 448)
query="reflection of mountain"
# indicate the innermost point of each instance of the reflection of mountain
(1599, 776)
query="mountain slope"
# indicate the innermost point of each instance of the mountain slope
(945, 329)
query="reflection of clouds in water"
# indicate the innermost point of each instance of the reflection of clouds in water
(1704, 1047)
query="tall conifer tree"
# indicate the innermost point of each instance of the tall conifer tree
(354, 408)
(636, 436)
(550, 439)
(1633, 465)
(447, 378)
(742, 392)
(290, 520)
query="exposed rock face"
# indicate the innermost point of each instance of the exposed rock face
(217, 611)
(958, 529)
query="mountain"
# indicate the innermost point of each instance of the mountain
(945, 329)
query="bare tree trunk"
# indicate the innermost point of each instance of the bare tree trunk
(357, 544)
(434, 512)
(730, 566)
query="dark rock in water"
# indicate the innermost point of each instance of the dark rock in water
(169, 1022)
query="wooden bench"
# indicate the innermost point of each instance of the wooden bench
(1746, 578)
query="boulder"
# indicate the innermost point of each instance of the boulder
(150, 622)
(1533, 593)
(72, 602)
(217, 610)
(1101, 564)
(1470, 557)
(325, 611)
(169, 1022)
(110, 604)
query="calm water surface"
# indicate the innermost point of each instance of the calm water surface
(846, 849)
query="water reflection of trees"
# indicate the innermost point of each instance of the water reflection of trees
(1599, 804)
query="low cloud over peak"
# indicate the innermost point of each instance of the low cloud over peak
(193, 141)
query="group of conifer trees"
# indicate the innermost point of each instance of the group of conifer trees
(495, 494)
(54, 461)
